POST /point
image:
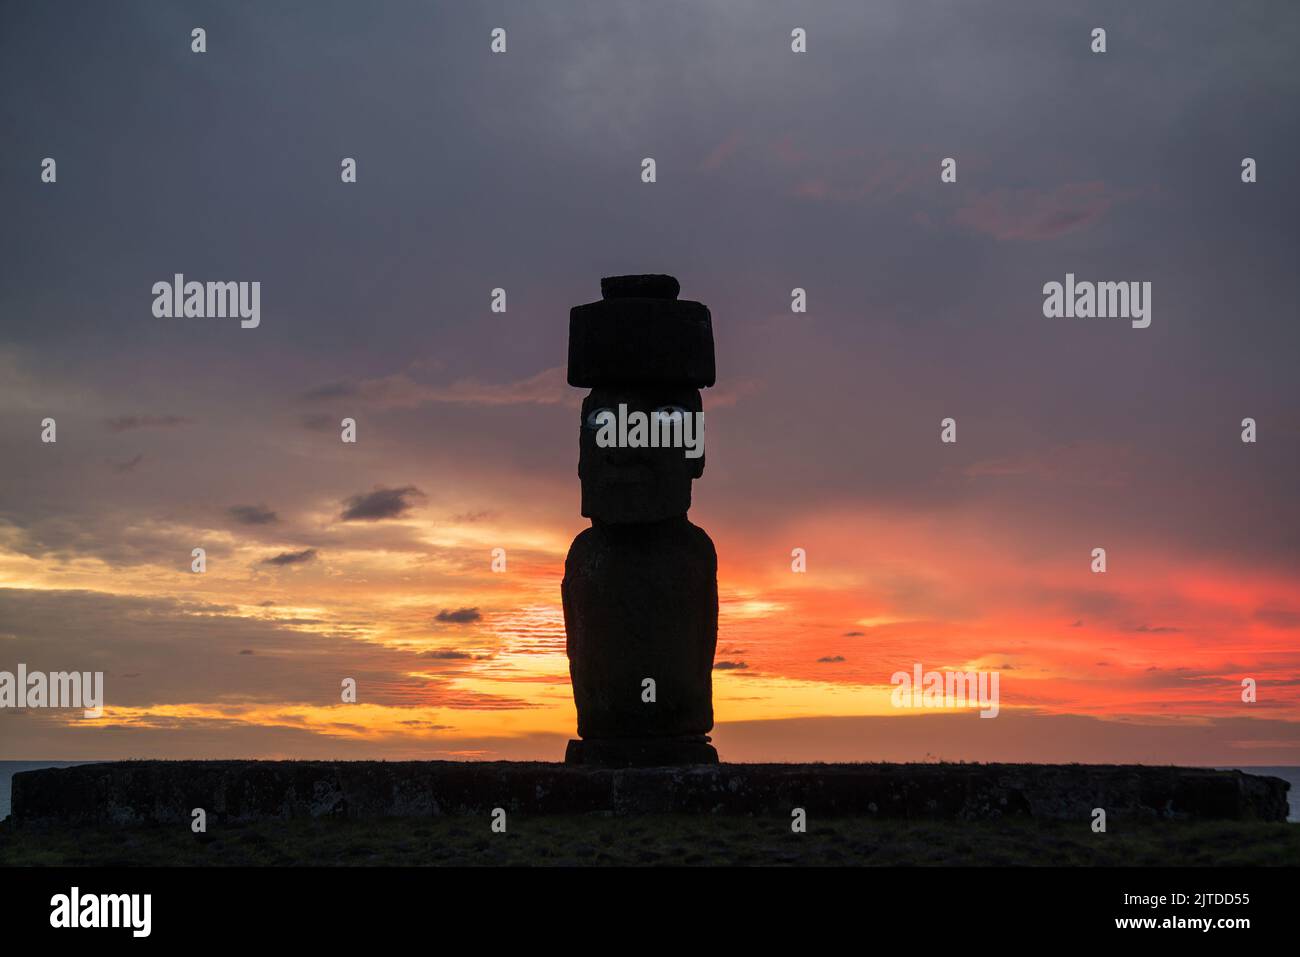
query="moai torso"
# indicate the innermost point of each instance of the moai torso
(640, 586)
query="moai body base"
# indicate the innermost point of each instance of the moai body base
(640, 586)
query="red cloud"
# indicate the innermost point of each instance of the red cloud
(1036, 214)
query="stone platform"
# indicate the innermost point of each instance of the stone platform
(142, 792)
(641, 752)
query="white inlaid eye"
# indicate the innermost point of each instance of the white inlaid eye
(671, 413)
(596, 417)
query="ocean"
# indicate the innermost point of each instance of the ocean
(9, 768)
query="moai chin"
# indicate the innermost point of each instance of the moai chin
(640, 586)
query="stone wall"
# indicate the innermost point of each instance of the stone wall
(138, 792)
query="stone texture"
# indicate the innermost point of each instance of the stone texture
(641, 601)
(622, 342)
(634, 485)
(641, 752)
(644, 286)
(138, 792)
(640, 588)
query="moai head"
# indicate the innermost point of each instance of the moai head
(642, 348)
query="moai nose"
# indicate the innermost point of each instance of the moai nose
(617, 455)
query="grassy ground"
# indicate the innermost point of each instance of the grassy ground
(659, 840)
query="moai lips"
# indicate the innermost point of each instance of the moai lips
(640, 586)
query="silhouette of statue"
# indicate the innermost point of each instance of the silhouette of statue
(640, 586)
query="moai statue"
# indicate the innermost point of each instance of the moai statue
(641, 585)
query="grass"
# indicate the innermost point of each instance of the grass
(657, 841)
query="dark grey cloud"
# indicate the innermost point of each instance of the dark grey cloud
(125, 423)
(100, 526)
(292, 558)
(448, 654)
(729, 665)
(253, 514)
(379, 504)
(830, 659)
(333, 390)
(156, 638)
(320, 422)
(460, 616)
(129, 465)
(973, 344)
(1279, 617)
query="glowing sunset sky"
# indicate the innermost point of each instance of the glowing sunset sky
(522, 171)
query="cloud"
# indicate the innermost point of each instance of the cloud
(157, 637)
(124, 423)
(1089, 462)
(448, 654)
(729, 665)
(831, 659)
(460, 616)
(332, 390)
(400, 390)
(253, 514)
(96, 526)
(1035, 214)
(292, 558)
(719, 155)
(1020, 736)
(849, 174)
(379, 504)
(320, 422)
(1278, 617)
(121, 468)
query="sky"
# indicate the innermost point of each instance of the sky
(775, 170)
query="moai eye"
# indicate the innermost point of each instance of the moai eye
(671, 412)
(596, 417)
